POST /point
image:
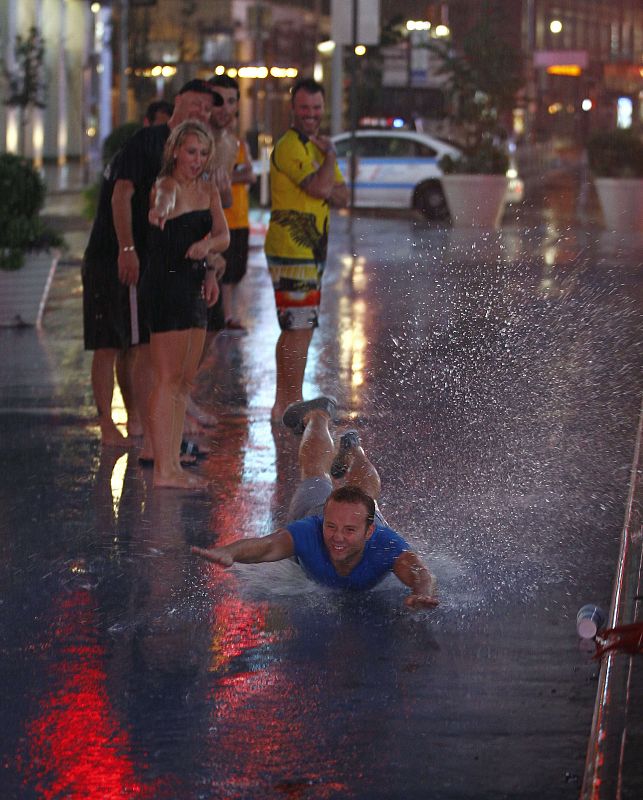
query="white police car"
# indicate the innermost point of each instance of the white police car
(399, 169)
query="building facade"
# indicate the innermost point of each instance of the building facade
(104, 62)
(57, 130)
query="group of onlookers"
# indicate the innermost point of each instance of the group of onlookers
(168, 250)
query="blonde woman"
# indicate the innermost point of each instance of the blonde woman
(188, 228)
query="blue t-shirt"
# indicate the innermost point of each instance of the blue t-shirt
(378, 558)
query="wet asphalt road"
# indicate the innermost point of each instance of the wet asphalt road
(495, 379)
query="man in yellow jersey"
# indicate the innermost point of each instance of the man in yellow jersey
(305, 182)
(236, 256)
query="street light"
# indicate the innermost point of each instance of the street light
(555, 26)
(326, 47)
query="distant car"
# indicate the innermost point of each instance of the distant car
(399, 169)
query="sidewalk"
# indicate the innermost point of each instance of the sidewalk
(24, 292)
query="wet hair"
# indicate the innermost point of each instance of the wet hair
(176, 139)
(195, 85)
(158, 107)
(309, 85)
(353, 494)
(201, 87)
(224, 82)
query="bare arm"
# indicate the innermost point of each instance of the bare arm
(321, 183)
(223, 183)
(218, 239)
(128, 265)
(243, 172)
(162, 201)
(277, 546)
(339, 196)
(411, 571)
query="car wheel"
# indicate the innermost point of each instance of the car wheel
(430, 201)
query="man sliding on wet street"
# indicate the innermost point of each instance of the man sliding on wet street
(338, 536)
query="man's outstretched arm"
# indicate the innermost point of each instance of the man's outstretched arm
(275, 547)
(411, 571)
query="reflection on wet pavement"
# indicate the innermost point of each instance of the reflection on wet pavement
(495, 379)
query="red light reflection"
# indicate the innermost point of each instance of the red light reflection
(75, 746)
(268, 728)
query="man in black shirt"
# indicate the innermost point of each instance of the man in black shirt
(110, 306)
(134, 176)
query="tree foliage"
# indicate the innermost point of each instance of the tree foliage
(482, 80)
(26, 81)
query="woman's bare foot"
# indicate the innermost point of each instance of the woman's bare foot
(179, 480)
(191, 426)
(200, 415)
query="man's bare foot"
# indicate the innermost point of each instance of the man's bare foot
(179, 480)
(110, 436)
(277, 413)
(134, 428)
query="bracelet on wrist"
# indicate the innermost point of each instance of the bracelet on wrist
(129, 249)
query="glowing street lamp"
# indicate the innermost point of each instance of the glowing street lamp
(555, 26)
(326, 47)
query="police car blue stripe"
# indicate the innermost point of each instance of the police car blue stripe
(387, 162)
(369, 185)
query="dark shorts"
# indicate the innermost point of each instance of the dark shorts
(216, 317)
(176, 298)
(114, 315)
(236, 256)
(297, 287)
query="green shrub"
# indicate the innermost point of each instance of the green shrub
(112, 144)
(616, 154)
(117, 138)
(91, 194)
(22, 190)
(22, 196)
(485, 159)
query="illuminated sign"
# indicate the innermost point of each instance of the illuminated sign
(552, 58)
(565, 69)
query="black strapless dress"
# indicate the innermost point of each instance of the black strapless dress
(175, 283)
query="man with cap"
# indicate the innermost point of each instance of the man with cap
(106, 307)
(138, 166)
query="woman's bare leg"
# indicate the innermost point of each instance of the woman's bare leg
(175, 357)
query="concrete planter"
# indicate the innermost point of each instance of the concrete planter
(621, 201)
(475, 201)
(24, 292)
